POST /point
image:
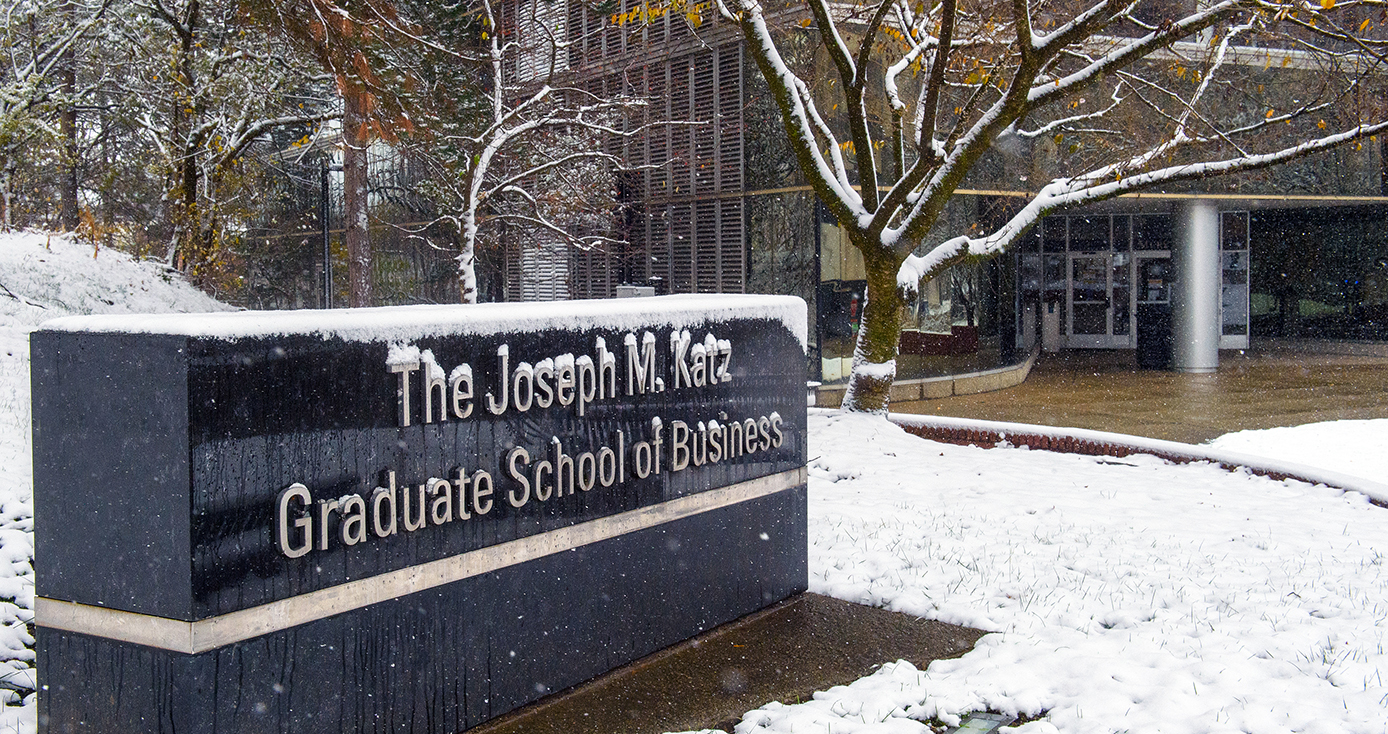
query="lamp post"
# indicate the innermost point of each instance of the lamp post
(324, 214)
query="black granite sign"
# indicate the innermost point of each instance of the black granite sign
(402, 520)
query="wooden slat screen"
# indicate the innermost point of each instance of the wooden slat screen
(684, 222)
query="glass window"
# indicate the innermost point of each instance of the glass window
(1031, 241)
(1154, 280)
(1055, 274)
(1233, 234)
(1235, 268)
(1029, 273)
(1152, 232)
(1053, 234)
(1089, 234)
(1122, 235)
(1122, 266)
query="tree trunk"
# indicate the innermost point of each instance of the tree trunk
(874, 356)
(108, 203)
(187, 242)
(68, 214)
(467, 257)
(7, 195)
(354, 172)
(182, 209)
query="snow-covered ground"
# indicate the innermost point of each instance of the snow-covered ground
(1125, 594)
(43, 278)
(1343, 446)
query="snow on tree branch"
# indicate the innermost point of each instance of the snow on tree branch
(1091, 187)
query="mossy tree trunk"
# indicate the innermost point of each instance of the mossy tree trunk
(879, 337)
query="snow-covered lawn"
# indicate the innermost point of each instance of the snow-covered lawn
(1126, 594)
(1343, 446)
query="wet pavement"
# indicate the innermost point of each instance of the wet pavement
(1270, 386)
(784, 653)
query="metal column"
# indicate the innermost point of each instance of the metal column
(1195, 300)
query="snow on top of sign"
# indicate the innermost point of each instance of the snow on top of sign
(403, 323)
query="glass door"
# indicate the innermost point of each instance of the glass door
(1100, 301)
(1089, 300)
(1233, 245)
(1120, 271)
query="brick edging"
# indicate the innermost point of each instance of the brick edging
(1054, 439)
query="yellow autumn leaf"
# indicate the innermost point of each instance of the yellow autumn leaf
(1268, 115)
(1365, 25)
(1327, 4)
(1320, 124)
(805, 23)
(1059, 138)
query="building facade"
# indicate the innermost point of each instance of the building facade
(1176, 275)
(713, 202)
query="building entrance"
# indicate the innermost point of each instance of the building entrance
(1089, 275)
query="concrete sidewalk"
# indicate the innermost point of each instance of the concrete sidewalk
(1275, 385)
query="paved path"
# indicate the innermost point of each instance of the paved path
(785, 653)
(1104, 390)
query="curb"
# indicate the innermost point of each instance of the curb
(989, 434)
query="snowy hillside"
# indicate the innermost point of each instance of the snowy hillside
(41, 278)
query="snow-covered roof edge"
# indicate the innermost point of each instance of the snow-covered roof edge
(397, 323)
(1371, 489)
